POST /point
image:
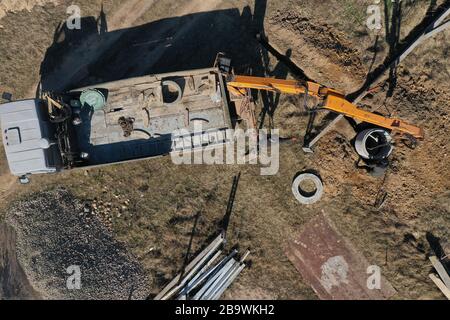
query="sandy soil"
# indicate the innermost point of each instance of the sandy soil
(151, 204)
(128, 13)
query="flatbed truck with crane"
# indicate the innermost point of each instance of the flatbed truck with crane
(134, 119)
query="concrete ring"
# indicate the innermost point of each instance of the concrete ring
(175, 86)
(305, 197)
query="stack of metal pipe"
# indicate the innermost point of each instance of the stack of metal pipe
(207, 276)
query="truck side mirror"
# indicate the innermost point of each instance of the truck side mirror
(7, 96)
(24, 179)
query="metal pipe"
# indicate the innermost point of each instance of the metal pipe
(186, 278)
(432, 29)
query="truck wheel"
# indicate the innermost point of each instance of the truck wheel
(62, 114)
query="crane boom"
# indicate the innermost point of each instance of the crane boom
(332, 100)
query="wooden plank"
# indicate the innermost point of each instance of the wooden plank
(440, 270)
(430, 31)
(438, 282)
(442, 27)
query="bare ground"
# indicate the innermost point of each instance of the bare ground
(55, 232)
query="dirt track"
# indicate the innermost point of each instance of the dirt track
(14, 283)
(158, 36)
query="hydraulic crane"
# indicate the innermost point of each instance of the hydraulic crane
(329, 98)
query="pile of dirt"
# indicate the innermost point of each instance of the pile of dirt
(6, 179)
(55, 231)
(346, 178)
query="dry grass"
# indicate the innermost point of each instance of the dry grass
(26, 37)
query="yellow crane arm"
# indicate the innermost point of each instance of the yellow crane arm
(341, 105)
(333, 100)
